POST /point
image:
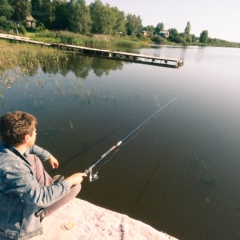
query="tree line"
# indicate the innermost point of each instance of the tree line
(97, 18)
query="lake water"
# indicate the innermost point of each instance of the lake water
(180, 174)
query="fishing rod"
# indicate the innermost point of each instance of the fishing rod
(94, 176)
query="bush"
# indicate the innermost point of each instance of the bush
(22, 30)
(6, 24)
(158, 40)
(178, 39)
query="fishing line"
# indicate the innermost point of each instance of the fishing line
(96, 172)
(149, 180)
(130, 139)
(94, 176)
(87, 149)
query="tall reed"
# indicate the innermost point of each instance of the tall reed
(96, 40)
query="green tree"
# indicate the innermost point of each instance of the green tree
(106, 19)
(61, 15)
(44, 11)
(188, 38)
(159, 40)
(159, 28)
(173, 32)
(193, 38)
(36, 5)
(21, 9)
(203, 36)
(101, 18)
(119, 20)
(37, 11)
(176, 37)
(79, 17)
(133, 24)
(6, 25)
(6, 9)
(188, 28)
(48, 16)
(150, 30)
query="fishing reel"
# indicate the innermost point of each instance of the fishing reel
(93, 176)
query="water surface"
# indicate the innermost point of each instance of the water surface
(181, 173)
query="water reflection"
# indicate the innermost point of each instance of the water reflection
(35, 82)
(81, 66)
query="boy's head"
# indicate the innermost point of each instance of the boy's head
(14, 126)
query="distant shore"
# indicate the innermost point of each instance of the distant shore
(116, 41)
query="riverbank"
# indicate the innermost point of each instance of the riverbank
(96, 40)
(117, 41)
(80, 219)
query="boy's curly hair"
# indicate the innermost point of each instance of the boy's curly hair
(15, 125)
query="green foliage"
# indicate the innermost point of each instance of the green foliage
(21, 9)
(99, 41)
(6, 9)
(159, 40)
(106, 20)
(101, 18)
(149, 28)
(133, 24)
(36, 5)
(61, 15)
(173, 32)
(22, 30)
(48, 16)
(204, 36)
(193, 38)
(6, 25)
(28, 58)
(159, 28)
(188, 28)
(79, 17)
(119, 21)
(179, 39)
(40, 27)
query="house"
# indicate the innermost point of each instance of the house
(145, 33)
(31, 22)
(164, 33)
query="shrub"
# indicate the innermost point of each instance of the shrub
(6, 24)
(158, 40)
(22, 30)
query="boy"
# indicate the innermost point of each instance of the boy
(27, 192)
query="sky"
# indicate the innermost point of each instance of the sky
(220, 17)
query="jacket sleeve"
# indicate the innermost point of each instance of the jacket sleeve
(40, 152)
(18, 179)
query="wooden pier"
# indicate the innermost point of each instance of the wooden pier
(123, 56)
(107, 54)
(22, 39)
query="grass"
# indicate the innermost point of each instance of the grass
(27, 56)
(96, 40)
(18, 60)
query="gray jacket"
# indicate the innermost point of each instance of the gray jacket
(21, 195)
